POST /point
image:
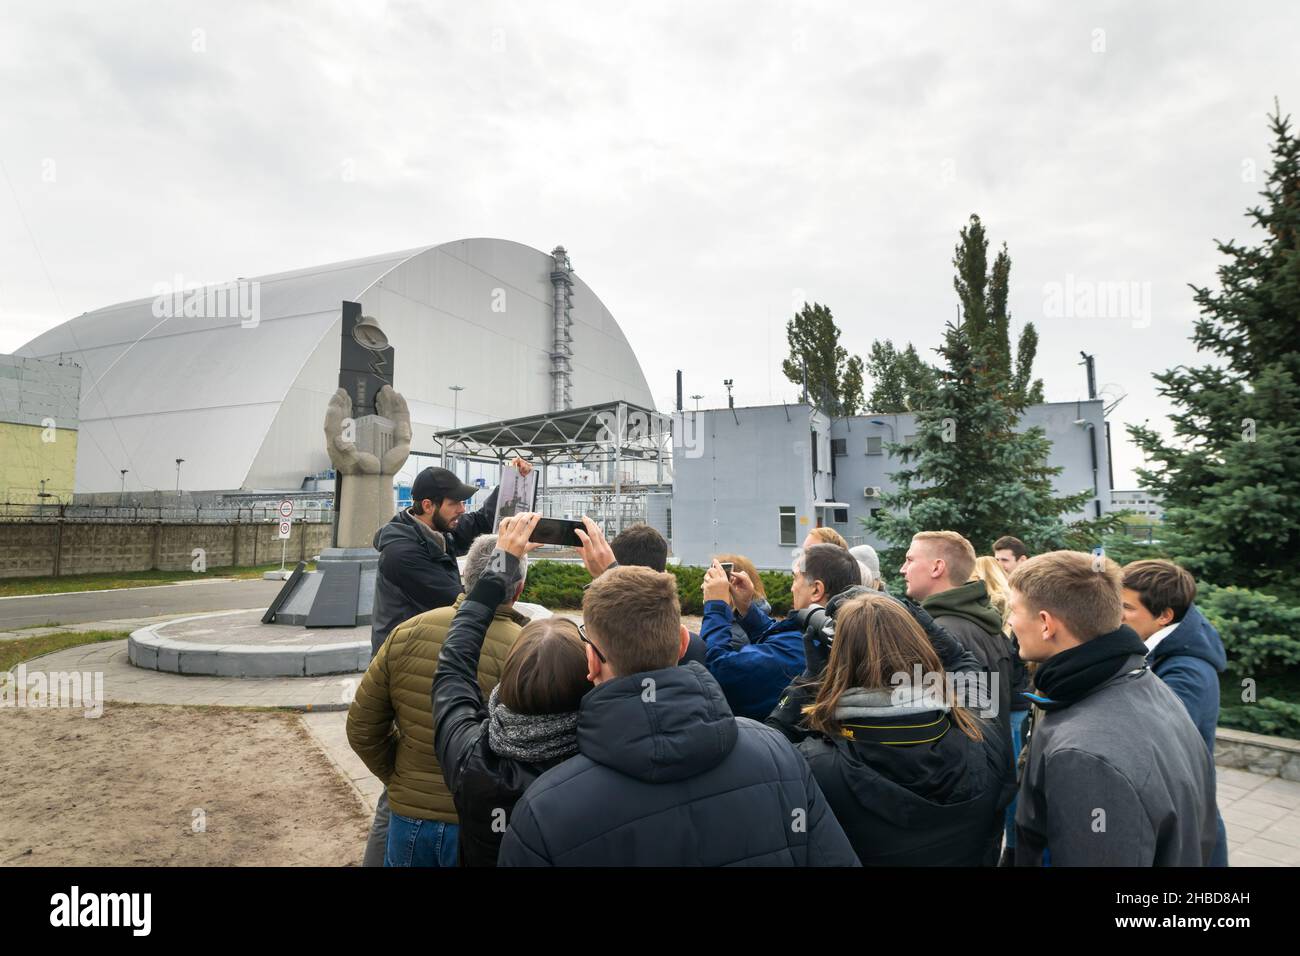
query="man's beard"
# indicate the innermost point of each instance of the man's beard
(442, 524)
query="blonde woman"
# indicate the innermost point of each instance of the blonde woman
(990, 572)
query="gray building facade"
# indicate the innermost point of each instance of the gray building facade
(748, 480)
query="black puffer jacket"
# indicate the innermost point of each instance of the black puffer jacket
(911, 789)
(415, 574)
(666, 776)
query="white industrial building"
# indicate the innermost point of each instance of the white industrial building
(235, 379)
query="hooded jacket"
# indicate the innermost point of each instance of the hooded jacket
(417, 566)
(966, 614)
(906, 784)
(1119, 777)
(1190, 660)
(390, 725)
(666, 776)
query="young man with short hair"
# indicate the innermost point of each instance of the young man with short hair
(1116, 773)
(1183, 648)
(754, 675)
(937, 573)
(665, 775)
(1010, 552)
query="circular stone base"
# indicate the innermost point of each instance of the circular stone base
(238, 644)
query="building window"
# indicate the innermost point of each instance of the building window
(877, 513)
(814, 450)
(875, 445)
(841, 516)
(788, 530)
(839, 447)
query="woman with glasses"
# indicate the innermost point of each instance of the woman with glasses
(491, 751)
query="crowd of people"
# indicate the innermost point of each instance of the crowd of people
(1012, 709)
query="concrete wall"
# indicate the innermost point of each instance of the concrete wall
(734, 469)
(35, 549)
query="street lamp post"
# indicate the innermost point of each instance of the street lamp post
(179, 462)
(455, 409)
(697, 401)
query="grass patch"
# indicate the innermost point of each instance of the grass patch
(11, 587)
(13, 653)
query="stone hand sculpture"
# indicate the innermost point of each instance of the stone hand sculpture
(367, 491)
(340, 440)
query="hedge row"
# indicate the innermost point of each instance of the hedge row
(557, 584)
(1261, 634)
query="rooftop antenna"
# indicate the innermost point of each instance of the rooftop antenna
(1090, 362)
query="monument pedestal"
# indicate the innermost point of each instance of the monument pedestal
(340, 593)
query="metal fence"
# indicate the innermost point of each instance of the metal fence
(266, 511)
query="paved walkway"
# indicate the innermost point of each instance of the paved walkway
(329, 730)
(125, 683)
(125, 624)
(173, 600)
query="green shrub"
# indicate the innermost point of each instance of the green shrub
(1268, 715)
(1259, 633)
(557, 584)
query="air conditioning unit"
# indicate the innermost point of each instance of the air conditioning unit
(871, 491)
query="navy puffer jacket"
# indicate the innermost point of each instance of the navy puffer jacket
(666, 776)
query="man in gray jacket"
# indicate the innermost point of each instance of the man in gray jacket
(1115, 772)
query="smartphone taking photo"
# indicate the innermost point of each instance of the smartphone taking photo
(560, 531)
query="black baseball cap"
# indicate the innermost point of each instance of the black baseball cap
(439, 483)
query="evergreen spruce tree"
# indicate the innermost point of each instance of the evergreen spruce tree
(1230, 475)
(968, 470)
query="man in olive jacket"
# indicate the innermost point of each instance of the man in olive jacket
(390, 725)
(937, 572)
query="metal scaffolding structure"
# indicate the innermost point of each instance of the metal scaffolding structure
(610, 436)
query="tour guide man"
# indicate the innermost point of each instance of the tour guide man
(419, 547)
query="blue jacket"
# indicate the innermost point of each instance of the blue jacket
(1190, 660)
(754, 675)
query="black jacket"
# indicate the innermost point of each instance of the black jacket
(415, 575)
(966, 614)
(484, 786)
(666, 776)
(931, 803)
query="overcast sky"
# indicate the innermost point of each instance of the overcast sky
(707, 165)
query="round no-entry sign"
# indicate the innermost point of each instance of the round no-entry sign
(286, 528)
(286, 508)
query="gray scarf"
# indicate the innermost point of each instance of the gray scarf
(535, 738)
(858, 702)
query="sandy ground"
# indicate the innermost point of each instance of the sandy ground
(123, 789)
